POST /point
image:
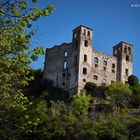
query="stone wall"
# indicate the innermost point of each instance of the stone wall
(60, 66)
(97, 71)
(71, 65)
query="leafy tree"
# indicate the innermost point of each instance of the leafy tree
(134, 84)
(133, 80)
(66, 121)
(89, 87)
(135, 87)
(20, 117)
(134, 129)
(120, 94)
(16, 31)
(80, 104)
(55, 125)
(15, 35)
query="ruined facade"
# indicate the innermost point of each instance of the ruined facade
(71, 65)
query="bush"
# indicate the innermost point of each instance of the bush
(120, 94)
(133, 80)
(89, 87)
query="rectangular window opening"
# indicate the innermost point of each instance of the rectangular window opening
(84, 80)
(95, 77)
(127, 58)
(113, 71)
(104, 68)
(113, 66)
(85, 71)
(63, 83)
(85, 58)
(96, 65)
(126, 72)
(76, 60)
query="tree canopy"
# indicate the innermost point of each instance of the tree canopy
(133, 80)
(16, 31)
(23, 117)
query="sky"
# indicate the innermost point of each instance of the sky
(112, 21)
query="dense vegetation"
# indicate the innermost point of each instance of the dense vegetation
(31, 108)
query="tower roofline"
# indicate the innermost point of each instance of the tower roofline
(122, 43)
(82, 26)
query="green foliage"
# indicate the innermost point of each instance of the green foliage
(18, 115)
(80, 103)
(135, 87)
(66, 121)
(33, 118)
(90, 88)
(39, 85)
(135, 101)
(134, 84)
(134, 129)
(15, 34)
(133, 80)
(120, 94)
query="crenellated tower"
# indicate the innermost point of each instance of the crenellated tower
(71, 65)
(82, 38)
(123, 52)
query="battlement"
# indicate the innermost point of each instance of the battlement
(71, 65)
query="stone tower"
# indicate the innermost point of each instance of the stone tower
(71, 65)
(82, 36)
(123, 52)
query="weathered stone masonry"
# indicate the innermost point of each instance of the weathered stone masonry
(71, 65)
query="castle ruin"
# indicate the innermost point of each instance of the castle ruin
(71, 65)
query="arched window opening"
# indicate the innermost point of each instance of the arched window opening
(65, 53)
(75, 35)
(104, 63)
(129, 50)
(84, 33)
(65, 65)
(119, 49)
(86, 43)
(95, 59)
(116, 51)
(88, 33)
(125, 49)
